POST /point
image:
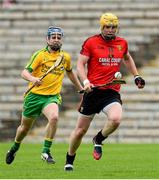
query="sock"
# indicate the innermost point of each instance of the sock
(47, 145)
(15, 146)
(99, 138)
(70, 159)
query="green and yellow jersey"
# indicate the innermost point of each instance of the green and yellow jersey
(39, 64)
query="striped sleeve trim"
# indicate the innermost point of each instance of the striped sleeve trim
(29, 69)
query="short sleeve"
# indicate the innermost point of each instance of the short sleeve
(126, 47)
(34, 61)
(86, 48)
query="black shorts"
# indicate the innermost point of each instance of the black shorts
(94, 101)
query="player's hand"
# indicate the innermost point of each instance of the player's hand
(139, 81)
(87, 86)
(36, 81)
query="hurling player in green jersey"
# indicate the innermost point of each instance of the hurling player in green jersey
(45, 97)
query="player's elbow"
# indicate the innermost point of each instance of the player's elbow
(23, 74)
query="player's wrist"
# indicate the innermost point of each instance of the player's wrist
(136, 76)
(86, 81)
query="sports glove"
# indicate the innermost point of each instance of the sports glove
(139, 81)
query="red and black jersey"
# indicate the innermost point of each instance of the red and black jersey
(105, 58)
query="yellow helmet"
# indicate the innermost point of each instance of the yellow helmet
(108, 19)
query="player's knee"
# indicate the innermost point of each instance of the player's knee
(116, 120)
(53, 120)
(80, 132)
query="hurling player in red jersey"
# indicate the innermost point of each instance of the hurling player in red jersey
(102, 54)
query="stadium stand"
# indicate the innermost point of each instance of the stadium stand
(23, 27)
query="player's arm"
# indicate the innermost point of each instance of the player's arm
(74, 79)
(130, 64)
(30, 67)
(25, 74)
(81, 69)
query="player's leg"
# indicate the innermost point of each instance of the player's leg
(76, 136)
(51, 112)
(114, 114)
(32, 110)
(22, 131)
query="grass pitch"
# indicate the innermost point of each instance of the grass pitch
(119, 161)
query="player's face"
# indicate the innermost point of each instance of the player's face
(109, 31)
(55, 41)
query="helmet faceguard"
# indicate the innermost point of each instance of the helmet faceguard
(109, 19)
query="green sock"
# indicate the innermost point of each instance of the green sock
(47, 145)
(15, 146)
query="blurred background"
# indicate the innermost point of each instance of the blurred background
(23, 25)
